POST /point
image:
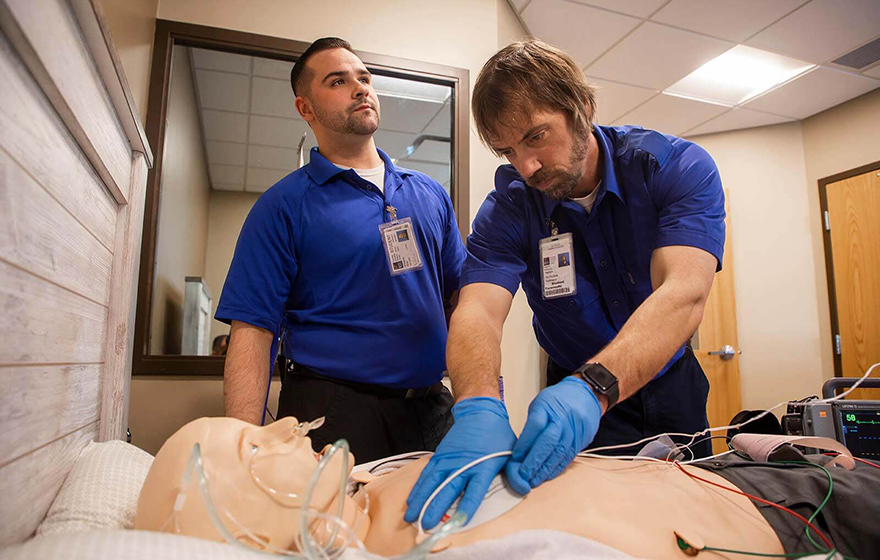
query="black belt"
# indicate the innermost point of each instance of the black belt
(298, 370)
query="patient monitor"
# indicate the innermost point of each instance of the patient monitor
(854, 423)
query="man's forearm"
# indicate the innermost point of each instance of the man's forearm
(246, 375)
(473, 354)
(651, 336)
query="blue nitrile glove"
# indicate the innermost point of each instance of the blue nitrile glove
(481, 427)
(562, 421)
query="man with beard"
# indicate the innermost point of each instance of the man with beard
(639, 218)
(351, 261)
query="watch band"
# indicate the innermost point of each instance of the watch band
(600, 380)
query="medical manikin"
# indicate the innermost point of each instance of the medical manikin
(258, 476)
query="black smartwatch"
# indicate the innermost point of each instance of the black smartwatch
(602, 381)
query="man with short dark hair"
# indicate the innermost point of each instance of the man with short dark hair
(615, 234)
(352, 260)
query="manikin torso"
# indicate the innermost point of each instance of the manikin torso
(258, 476)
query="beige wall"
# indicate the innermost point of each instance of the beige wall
(167, 403)
(763, 172)
(132, 25)
(183, 210)
(772, 176)
(226, 215)
(839, 139)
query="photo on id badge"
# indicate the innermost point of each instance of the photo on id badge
(402, 235)
(563, 260)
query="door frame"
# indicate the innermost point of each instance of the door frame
(829, 261)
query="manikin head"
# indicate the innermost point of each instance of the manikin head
(257, 477)
(334, 92)
(533, 106)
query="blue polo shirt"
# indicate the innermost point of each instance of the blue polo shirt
(656, 190)
(310, 259)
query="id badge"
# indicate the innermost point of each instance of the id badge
(557, 267)
(401, 246)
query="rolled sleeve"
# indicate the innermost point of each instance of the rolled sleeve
(263, 266)
(496, 248)
(688, 192)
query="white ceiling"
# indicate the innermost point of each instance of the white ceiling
(251, 128)
(634, 49)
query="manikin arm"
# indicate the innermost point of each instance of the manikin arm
(682, 277)
(245, 377)
(473, 351)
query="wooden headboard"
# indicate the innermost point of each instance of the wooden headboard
(73, 170)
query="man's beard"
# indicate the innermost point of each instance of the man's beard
(565, 180)
(349, 121)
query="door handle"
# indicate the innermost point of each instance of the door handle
(727, 352)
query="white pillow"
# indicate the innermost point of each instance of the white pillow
(101, 491)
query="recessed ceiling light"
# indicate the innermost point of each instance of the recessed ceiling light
(738, 75)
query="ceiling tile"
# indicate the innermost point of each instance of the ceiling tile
(518, 4)
(613, 100)
(671, 115)
(822, 30)
(582, 31)
(406, 115)
(222, 90)
(269, 68)
(226, 187)
(638, 8)
(229, 153)
(229, 174)
(223, 61)
(393, 143)
(278, 132)
(436, 171)
(272, 158)
(221, 125)
(441, 124)
(736, 119)
(733, 21)
(273, 98)
(656, 56)
(259, 179)
(873, 72)
(813, 92)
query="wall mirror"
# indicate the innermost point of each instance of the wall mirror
(222, 119)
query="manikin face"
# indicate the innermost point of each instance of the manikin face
(340, 97)
(546, 152)
(257, 477)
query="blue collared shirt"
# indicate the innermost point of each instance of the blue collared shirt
(310, 259)
(656, 191)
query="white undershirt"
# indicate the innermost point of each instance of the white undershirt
(375, 175)
(588, 201)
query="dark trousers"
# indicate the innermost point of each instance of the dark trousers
(676, 402)
(376, 421)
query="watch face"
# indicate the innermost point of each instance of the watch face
(600, 376)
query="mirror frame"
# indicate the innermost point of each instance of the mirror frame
(171, 33)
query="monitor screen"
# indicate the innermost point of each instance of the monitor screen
(860, 430)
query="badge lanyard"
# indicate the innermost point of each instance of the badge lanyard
(401, 246)
(558, 277)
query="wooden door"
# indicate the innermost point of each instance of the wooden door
(717, 331)
(854, 276)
